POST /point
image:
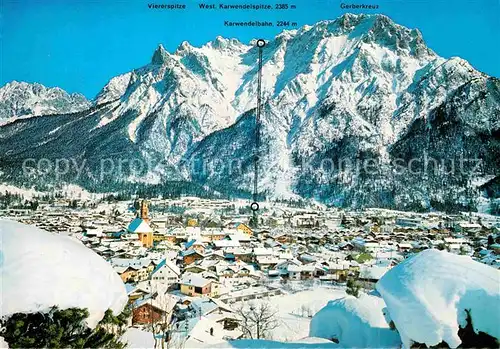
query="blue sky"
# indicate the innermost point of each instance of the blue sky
(79, 45)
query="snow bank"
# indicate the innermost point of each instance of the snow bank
(136, 338)
(355, 322)
(41, 269)
(427, 296)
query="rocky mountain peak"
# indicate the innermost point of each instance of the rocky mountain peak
(160, 56)
(183, 48)
(226, 44)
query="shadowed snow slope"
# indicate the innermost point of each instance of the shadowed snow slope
(354, 322)
(427, 297)
(40, 270)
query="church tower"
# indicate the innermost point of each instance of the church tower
(144, 211)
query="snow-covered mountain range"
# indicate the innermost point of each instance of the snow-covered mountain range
(344, 103)
(21, 99)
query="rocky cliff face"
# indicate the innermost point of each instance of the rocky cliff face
(347, 105)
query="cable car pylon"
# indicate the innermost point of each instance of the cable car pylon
(255, 205)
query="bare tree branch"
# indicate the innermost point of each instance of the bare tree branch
(257, 321)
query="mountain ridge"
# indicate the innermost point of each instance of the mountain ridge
(340, 90)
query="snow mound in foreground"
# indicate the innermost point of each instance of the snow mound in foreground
(135, 338)
(40, 269)
(305, 343)
(355, 322)
(427, 296)
(138, 339)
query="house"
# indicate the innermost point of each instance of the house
(302, 272)
(250, 293)
(468, 228)
(404, 247)
(195, 285)
(160, 236)
(346, 246)
(151, 310)
(242, 227)
(126, 273)
(306, 220)
(283, 265)
(166, 271)
(243, 254)
(213, 234)
(283, 238)
(266, 262)
(135, 292)
(195, 244)
(203, 331)
(176, 235)
(242, 238)
(339, 270)
(133, 269)
(371, 247)
(260, 251)
(226, 271)
(199, 247)
(369, 275)
(206, 306)
(191, 256)
(294, 272)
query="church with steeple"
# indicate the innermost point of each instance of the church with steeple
(140, 225)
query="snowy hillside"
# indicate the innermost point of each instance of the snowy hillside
(335, 94)
(23, 99)
(427, 297)
(40, 270)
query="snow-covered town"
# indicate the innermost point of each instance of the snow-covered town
(198, 272)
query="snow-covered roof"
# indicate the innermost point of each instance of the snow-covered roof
(262, 251)
(372, 272)
(136, 263)
(165, 302)
(195, 280)
(226, 243)
(73, 275)
(207, 305)
(139, 225)
(167, 264)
